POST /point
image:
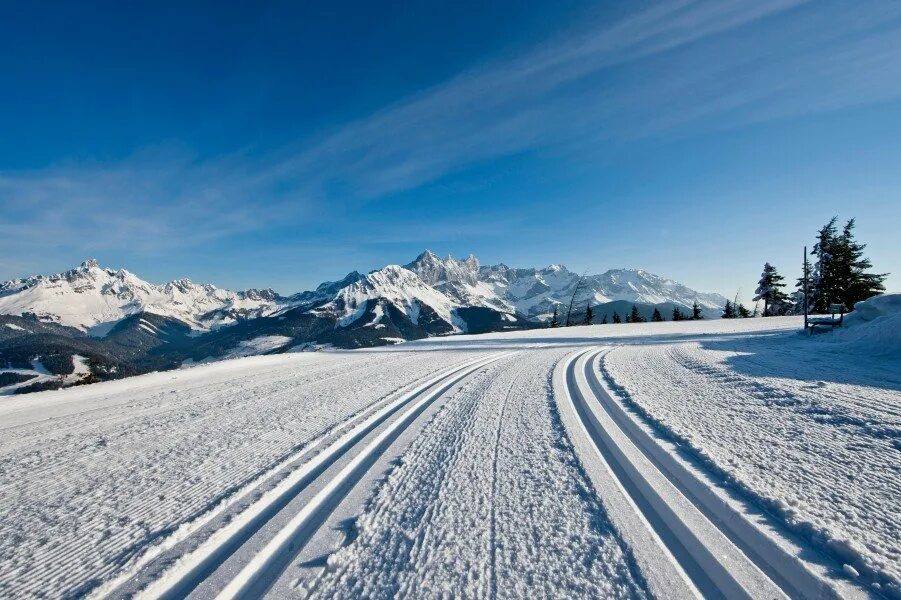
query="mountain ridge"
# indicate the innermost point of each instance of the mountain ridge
(106, 323)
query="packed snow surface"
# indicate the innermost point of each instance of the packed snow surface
(117, 486)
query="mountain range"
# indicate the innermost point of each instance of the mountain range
(92, 323)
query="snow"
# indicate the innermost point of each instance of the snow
(92, 477)
(791, 426)
(440, 514)
(397, 285)
(94, 299)
(479, 493)
(80, 366)
(873, 328)
(15, 327)
(259, 345)
(38, 373)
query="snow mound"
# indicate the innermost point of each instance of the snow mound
(873, 328)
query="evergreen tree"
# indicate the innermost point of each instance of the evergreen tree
(742, 312)
(840, 273)
(851, 267)
(824, 280)
(604, 320)
(656, 317)
(635, 316)
(696, 312)
(554, 322)
(677, 314)
(589, 314)
(769, 289)
(728, 312)
(616, 318)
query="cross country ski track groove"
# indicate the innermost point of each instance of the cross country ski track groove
(176, 574)
(667, 513)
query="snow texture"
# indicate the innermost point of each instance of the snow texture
(488, 496)
(451, 516)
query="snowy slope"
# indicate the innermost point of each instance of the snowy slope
(90, 296)
(397, 285)
(445, 466)
(459, 280)
(93, 298)
(535, 292)
(136, 327)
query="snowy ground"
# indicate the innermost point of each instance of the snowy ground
(456, 466)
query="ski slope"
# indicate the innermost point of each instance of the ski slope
(719, 459)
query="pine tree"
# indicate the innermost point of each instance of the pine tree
(589, 314)
(635, 316)
(851, 267)
(604, 320)
(824, 281)
(742, 312)
(728, 312)
(677, 314)
(616, 318)
(656, 317)
(769, 289)
(840, 273)
(696, 312)
(554, 322)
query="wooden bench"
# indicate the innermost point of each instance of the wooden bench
(828, 320)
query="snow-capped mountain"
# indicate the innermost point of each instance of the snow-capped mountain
(534, 292)
(92, 298)
(115, 324)
(401, 287)
(459, 280)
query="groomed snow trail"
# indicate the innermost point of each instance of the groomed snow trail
(670, 460)
(809, 436)
(487, 502)
(99, 479)
(721, 548)
(266, 565)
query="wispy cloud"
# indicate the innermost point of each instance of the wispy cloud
(668, 68)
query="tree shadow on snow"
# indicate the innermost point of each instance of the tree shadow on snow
(794, 355)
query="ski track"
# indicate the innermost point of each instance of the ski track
(817, 450)
(102, 489)
(424, 533)
(267, 565)
(495, 492)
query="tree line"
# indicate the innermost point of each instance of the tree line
(634, 316)
(840, 275)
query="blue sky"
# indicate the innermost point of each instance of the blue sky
(282, 144)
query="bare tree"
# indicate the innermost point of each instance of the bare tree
(572, 300)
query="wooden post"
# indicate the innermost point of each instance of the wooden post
(805, 288)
